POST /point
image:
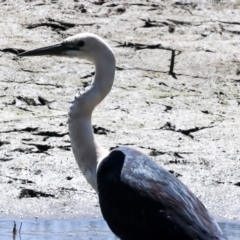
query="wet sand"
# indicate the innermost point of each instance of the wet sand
(187, 121)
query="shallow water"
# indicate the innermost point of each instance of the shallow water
(76, 229)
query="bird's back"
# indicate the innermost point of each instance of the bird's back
(141, 200)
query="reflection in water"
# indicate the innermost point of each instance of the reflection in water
(78, 229)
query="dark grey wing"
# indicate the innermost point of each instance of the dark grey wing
(180, 204)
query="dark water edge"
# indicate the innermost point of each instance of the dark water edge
(75, 229)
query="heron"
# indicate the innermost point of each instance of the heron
(139, 199)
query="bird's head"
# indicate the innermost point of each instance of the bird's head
(84, 45)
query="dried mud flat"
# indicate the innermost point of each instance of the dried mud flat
(188, 122)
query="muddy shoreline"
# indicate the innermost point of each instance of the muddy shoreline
(188, 122)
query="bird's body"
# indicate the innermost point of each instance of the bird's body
(138, 198)
(141, 200)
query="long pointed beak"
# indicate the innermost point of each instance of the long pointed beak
(54, 50)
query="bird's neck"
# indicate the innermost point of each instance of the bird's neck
(88, 153)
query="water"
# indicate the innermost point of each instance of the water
(78, 229)
(231, 229)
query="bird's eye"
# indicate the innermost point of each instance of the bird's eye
(80, 44)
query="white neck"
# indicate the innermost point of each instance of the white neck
(88, 153)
